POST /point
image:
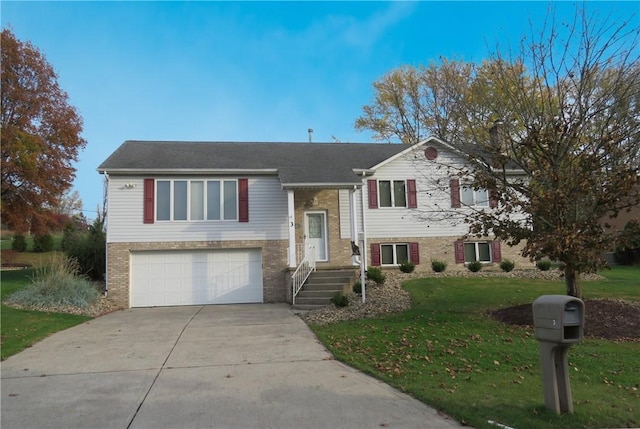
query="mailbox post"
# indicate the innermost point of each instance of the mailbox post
(559, 322)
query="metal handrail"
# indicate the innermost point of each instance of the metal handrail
(302, 273)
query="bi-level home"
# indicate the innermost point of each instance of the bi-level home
(228, 222)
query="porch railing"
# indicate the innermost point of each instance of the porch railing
(301, 274)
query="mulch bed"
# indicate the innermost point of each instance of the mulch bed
(604, 318)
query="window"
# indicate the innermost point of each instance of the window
(477, 251)
(471, 197)
(196, 200)
(394, 254)
(163, 200)
(392, 193)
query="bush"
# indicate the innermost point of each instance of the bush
(56, 284)
(376, 274)
(43, 243)
(507, 265)
(70, 235)
(544, 265)
(474, 266)
(340, 300)
(629, 254)
(357, 287)
(438, 266)
(407, 267)
(89, 249)
(19, 243)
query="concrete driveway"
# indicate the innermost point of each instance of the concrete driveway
(225, 366)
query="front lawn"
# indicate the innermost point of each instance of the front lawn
(447, 352)
(20, 329)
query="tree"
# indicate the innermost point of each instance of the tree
(40, 137)
(565, 109)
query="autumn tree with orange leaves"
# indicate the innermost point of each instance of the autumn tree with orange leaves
(40, 137)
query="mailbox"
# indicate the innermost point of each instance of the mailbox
(558, 319)
(559, 323)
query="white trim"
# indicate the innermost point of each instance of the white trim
(291, 213)
(412, 148)
(189, 171)
(323, 185)
(476, 250)
(394, 246)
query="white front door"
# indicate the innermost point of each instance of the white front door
(315, 232)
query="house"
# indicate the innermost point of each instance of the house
(228, 222)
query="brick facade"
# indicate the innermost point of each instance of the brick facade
(441, 248)
(323, 200)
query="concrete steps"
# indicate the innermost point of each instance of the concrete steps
(321, 286)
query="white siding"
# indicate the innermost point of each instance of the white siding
(267, 215)
(345, 212)
(434, 216)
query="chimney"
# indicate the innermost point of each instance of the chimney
(310, 130)
(496, 137)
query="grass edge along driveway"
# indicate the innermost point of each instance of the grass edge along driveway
(20, 329)
(447, 352)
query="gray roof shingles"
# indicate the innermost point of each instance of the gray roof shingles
(296, 163)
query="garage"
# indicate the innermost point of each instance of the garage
(195, 277)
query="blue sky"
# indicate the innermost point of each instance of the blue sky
(251, 71)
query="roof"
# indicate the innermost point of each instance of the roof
(296, 164)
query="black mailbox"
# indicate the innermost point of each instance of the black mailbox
(558, 319)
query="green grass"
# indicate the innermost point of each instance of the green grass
(5, 242)
(22, 328)
(448, 353)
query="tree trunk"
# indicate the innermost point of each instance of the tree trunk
(572, 280)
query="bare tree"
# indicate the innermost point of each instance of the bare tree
(573, 128)
(564, 110)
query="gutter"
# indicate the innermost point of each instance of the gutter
(190, 171)
(363, 246)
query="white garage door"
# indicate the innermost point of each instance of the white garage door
(194, 277)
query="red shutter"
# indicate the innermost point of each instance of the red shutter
(493, 200)
(496, 252)
(243, 200)
(375, 255)
(454, 184)
(459, 251)
(414, 253)
(149, 201)
(373, 193)
(413, 194)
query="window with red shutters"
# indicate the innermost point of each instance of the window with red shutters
(414, 253)
(243, 200)
(149, 201)
(496, 252)
(458, 247)
(413, 194)
(372, 186)
(375, 255)
(493, 200)
(454, 185)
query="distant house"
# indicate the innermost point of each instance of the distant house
(228, 222)
(615, 226)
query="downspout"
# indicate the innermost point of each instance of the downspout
(363, 245)
(105, 198)
(356, 258)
